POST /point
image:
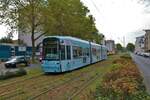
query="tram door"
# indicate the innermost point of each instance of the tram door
(65, 57)
(84, 52)
(68, 52)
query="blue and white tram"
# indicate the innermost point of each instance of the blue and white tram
(64, 53)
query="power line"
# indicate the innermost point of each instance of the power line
(95, 6)
(93, 3)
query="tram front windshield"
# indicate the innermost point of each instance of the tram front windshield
(51, 49)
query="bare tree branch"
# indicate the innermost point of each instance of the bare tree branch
(40, 36)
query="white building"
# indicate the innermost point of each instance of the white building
(26, 38)
(139, 44)
(147, 41)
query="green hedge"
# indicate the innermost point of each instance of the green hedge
(9, 74)
(126, 56)
(122, 82)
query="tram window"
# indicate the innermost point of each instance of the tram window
(87, 51)
(51, 52)
(62, 52)
(68, 53)
(84, 52)
(94, 51)
(77, 52)
(98, 51)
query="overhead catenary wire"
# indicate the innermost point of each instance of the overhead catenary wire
(94, 5)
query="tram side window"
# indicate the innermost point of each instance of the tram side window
(62, 52)
(77, 52)
(87, 51)
(80, 51)
(84, 52)
(98, 51)
(94, 51)
(68, 53)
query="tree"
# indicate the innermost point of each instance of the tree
(49, 17)
(6, 40)
(130, 47)
(119, 47)
(70, 18)
(25, 15)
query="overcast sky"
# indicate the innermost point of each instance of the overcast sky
(120, 18)
(116, 18)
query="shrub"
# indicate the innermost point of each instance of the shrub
(122, 82)
(120, 61)
(9, 74)
(21, 72)
(126, 56)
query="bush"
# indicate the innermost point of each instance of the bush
(122, 82)
(126, 56)
(21, 72)
(9, 74)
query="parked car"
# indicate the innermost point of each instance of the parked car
(12, 63)
(141, 53)
(138, 53)
(146, 54)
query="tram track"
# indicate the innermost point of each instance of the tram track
(83, 87)
(21, 80)
(31, 88)
(45, 81)
(75, 89)
(11, 85)
(82, 80)
(54, 87)
(45, 86)
(9, 91)
(21, 87)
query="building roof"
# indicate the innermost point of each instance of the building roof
(147, 31)
(9, 44)
(139, 37)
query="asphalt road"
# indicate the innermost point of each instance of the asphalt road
(144, 67)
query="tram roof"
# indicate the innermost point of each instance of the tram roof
(72, 38)
(68, 38)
